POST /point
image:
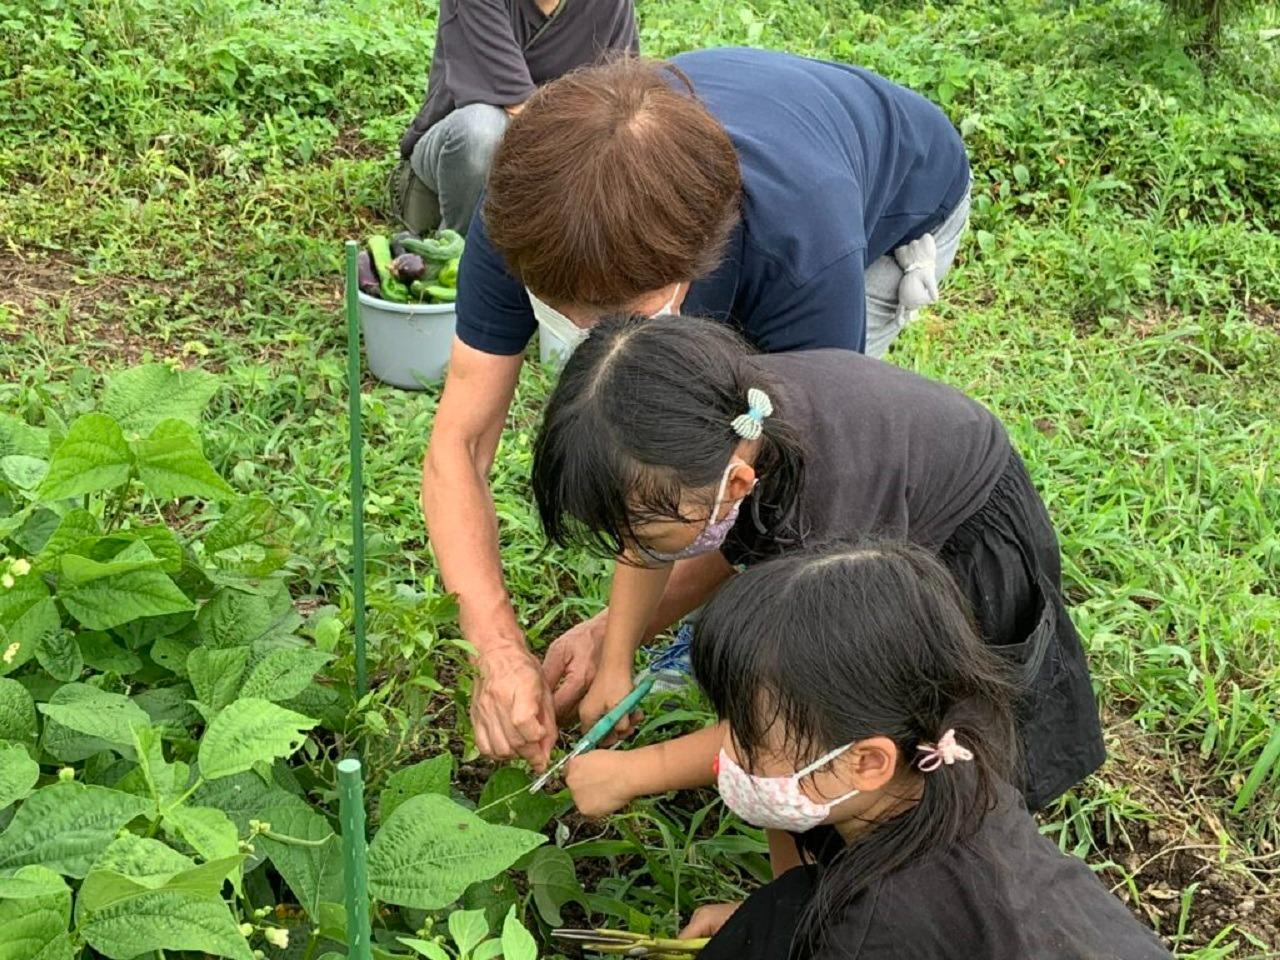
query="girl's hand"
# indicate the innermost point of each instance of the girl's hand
(599, 783)
(707, 921)
(609, 689)
(570, 664)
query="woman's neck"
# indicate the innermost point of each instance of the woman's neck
(885, 804)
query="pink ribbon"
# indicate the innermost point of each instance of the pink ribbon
(946, 750)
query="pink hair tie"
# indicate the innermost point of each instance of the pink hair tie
(945, 751)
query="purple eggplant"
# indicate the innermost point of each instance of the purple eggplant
(367, 277)
(408, 267)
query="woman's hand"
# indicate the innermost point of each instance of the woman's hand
(610, 687)
(571, 662)
(599, 782)
(707, 921)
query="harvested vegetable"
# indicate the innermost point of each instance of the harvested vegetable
(448, 276)
(409, 267)
(443, 247)
(391, 288)
(367, 276)
(441, 294)
(397, 242)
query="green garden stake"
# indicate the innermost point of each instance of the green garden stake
(357, 477)
(355, 874)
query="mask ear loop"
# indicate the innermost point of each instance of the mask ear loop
(818, 764)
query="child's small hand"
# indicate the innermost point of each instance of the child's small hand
(599, 784)
(609, 688)
(707, 921)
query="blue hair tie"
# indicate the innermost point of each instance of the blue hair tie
(750, 425)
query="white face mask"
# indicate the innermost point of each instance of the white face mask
(568, 332)
(775, 803)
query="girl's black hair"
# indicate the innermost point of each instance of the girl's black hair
(847, 643)
(642, 412)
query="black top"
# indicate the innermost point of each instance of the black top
(839, 166)
(497, 51)
(888, 453)
(1006, 894)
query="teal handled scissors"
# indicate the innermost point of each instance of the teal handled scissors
(626, 944)
(600, 730)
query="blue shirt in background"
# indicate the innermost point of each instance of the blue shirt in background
(839, 167)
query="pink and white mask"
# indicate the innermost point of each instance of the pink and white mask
(775, 803)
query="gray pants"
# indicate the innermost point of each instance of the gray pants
(883, 276)
(449, 165)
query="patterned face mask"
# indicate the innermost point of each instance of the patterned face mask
(713, 533)
(775, 803)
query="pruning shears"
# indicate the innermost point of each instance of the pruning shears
(626, 944)
(599, 730)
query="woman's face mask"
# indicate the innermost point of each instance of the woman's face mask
(713, 533)
(775, 803)
(572, 335)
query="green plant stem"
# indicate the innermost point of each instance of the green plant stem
(296, 841)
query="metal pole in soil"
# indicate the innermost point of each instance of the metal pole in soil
(355, 875)
(357, 475)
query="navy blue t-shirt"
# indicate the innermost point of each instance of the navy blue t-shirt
(839, 166)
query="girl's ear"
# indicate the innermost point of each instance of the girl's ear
(871, 764)
(741, 482)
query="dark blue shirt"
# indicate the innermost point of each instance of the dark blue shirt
(839, 166)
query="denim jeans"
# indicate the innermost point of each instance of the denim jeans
(450, 164)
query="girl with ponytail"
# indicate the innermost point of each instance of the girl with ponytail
(860, 711)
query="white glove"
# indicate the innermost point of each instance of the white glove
(919, 284)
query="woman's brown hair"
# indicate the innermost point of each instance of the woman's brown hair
(614, 181)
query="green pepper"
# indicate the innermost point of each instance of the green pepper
(380, 252)
(449, 274)
(442, 248)
(441, 294)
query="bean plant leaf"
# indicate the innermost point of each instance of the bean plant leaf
(506, 799)
(234, 618)
(313, 873)
(430, 849)
(92, 456)
(18, 773)
(65, 826)
(248, 731)
(171, 464)
(425, 948)
(163, 545)
(428, 776)
(517, 942)
(468, 928)
(30, 627)
(35, 910)
(207, 830)
(19, 438)
(164, 781)
(96, 713)
(117, 598)
(24, 472)
(251, 538)
(133, 865)
(100, 652)
(215, 673)
(554, 882)
(68, 746)
(141, 397)
(17, 712)
(283, 674)
(164, 920)
(60, 655)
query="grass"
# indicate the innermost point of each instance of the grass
(176, 178)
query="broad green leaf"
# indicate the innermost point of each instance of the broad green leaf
(431, 849)
(207, 830)
(60, 655)
(173, 652)
(96, 713)
(248, 731)
(113, 600)
(250, 522)
(425, 948)
(233, 618)
(132, 865)
(100, 652)
(17, 600)
(488, 950)
(428, 776)
(506, 799)
(313, 873)
(18, 773)
(75, 527)
(23, 472)
(517, 942)
(163, 545)
(168, 709)
(78, 571)
(31, 626)
(35, 910)
(19, 438)
(468, 928)
(93, 456)
(140, 397)
(164, 920)
(283, 673)
(215, 673)
(171, 464)
(554, 882)
(67, 746)
(65, 826)
(164, 781)
(17, 712)
(36, 530)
